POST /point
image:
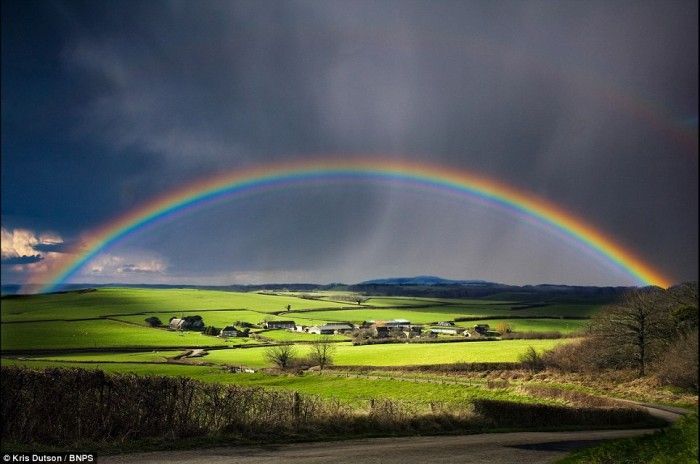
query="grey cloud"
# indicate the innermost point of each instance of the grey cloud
(62, 247)
(12, 260)
(134, 268)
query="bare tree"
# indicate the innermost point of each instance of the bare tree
(280, 355)
(322, 351)
(635, 329)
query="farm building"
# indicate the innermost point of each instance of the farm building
(279, 325)
(401, 324)
(187, 323)
(446, 323)
(300, 328)
(341, 327)
(232, 331)
(321, 330)
(481, 329)
(447, 330)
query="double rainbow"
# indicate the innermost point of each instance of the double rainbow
(282, 175)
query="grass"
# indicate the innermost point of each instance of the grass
(349, 389)
(212, 317)
(450, 312)
(114, 301)
(536, 325)
(398, 354)
(283, 335)
(154, 356)
(675, 445)
(95, 334)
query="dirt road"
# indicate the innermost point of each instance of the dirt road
(520, 447)
(494, 448)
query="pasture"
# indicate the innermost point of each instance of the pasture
(342, 387)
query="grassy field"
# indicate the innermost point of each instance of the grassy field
(95, 334)
(118, 301)
(397, 354)
(217, 318)
(536, 325)
(340, 387)
(282, 335)
(114, 318)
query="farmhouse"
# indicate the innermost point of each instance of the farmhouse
(232, 331)
(279, 325)
(300, 328)
(379, 329)
(446, 323)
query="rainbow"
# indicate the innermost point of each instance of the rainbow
(281, 175)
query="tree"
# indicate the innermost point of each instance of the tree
(531, 360)
(211, 330)
(322, 351)
(359, 299)
(280, 355)
(504, 328)
(634, 330)
(153, 321)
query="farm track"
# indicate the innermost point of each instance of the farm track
(496, 448)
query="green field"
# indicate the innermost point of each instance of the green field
(564, 326)
(114, 318)
(119, 301)
(282, 335)
(398, 354)
(95, 334)
(217, 318)
(341, 387)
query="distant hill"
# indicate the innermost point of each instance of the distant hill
(423, 280)
(419, 286)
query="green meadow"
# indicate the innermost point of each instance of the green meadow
(123, 301)
(341, 387)
(114, 319)
(397, 354)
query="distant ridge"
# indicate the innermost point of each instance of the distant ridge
(424, 280)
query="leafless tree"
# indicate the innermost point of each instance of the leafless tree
(280, 355)
(635, 329)
(322, 351)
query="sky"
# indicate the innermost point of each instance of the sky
(591, 105)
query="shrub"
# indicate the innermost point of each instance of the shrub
(531, 359)
(678, 366)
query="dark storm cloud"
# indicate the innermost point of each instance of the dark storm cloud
(11, 260)
(583, 103)
(62, 247)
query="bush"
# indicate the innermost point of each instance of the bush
(678, 366)
(531, 360)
